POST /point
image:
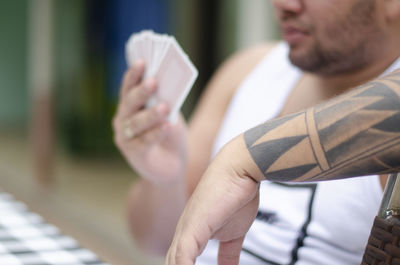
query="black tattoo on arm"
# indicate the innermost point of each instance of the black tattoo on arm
(355, 134)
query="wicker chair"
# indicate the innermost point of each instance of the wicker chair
(383, 247)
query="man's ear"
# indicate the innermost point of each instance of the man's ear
(392, 9)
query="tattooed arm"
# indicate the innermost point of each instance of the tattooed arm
(355, 134)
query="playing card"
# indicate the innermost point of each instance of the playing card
(175, 76)
(167, 62)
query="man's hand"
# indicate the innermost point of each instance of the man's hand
(223, 206)
(155, 148)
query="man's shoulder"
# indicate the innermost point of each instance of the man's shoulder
(243, 61)
(255, 53)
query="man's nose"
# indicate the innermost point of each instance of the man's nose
(288, 6)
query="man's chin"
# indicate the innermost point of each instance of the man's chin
(300, 59)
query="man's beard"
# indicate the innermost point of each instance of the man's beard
(353, 44)
(330, 62)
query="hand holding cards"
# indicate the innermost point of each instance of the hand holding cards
(167, 63)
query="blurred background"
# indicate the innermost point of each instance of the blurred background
(60, 70)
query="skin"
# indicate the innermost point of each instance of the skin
(182, 151)
(353, 135)
(331, 37)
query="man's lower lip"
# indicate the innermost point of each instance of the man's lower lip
(294, 37)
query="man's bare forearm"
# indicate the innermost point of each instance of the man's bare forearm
(355, 134)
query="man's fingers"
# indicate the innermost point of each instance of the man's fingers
(178, 260)
(229, 252)
(136, 98)
(142, 121)
(181, 253)
(132, 77)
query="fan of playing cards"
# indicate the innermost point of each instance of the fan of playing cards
(167, 62)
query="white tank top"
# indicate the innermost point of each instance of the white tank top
(303, 224)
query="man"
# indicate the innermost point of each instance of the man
(337, 45)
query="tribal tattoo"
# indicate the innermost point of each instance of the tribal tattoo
(355, 134)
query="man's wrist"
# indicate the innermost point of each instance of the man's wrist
(242, 161)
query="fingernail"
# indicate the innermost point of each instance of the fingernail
(150, 85)
(139, 63)
(162, 109)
